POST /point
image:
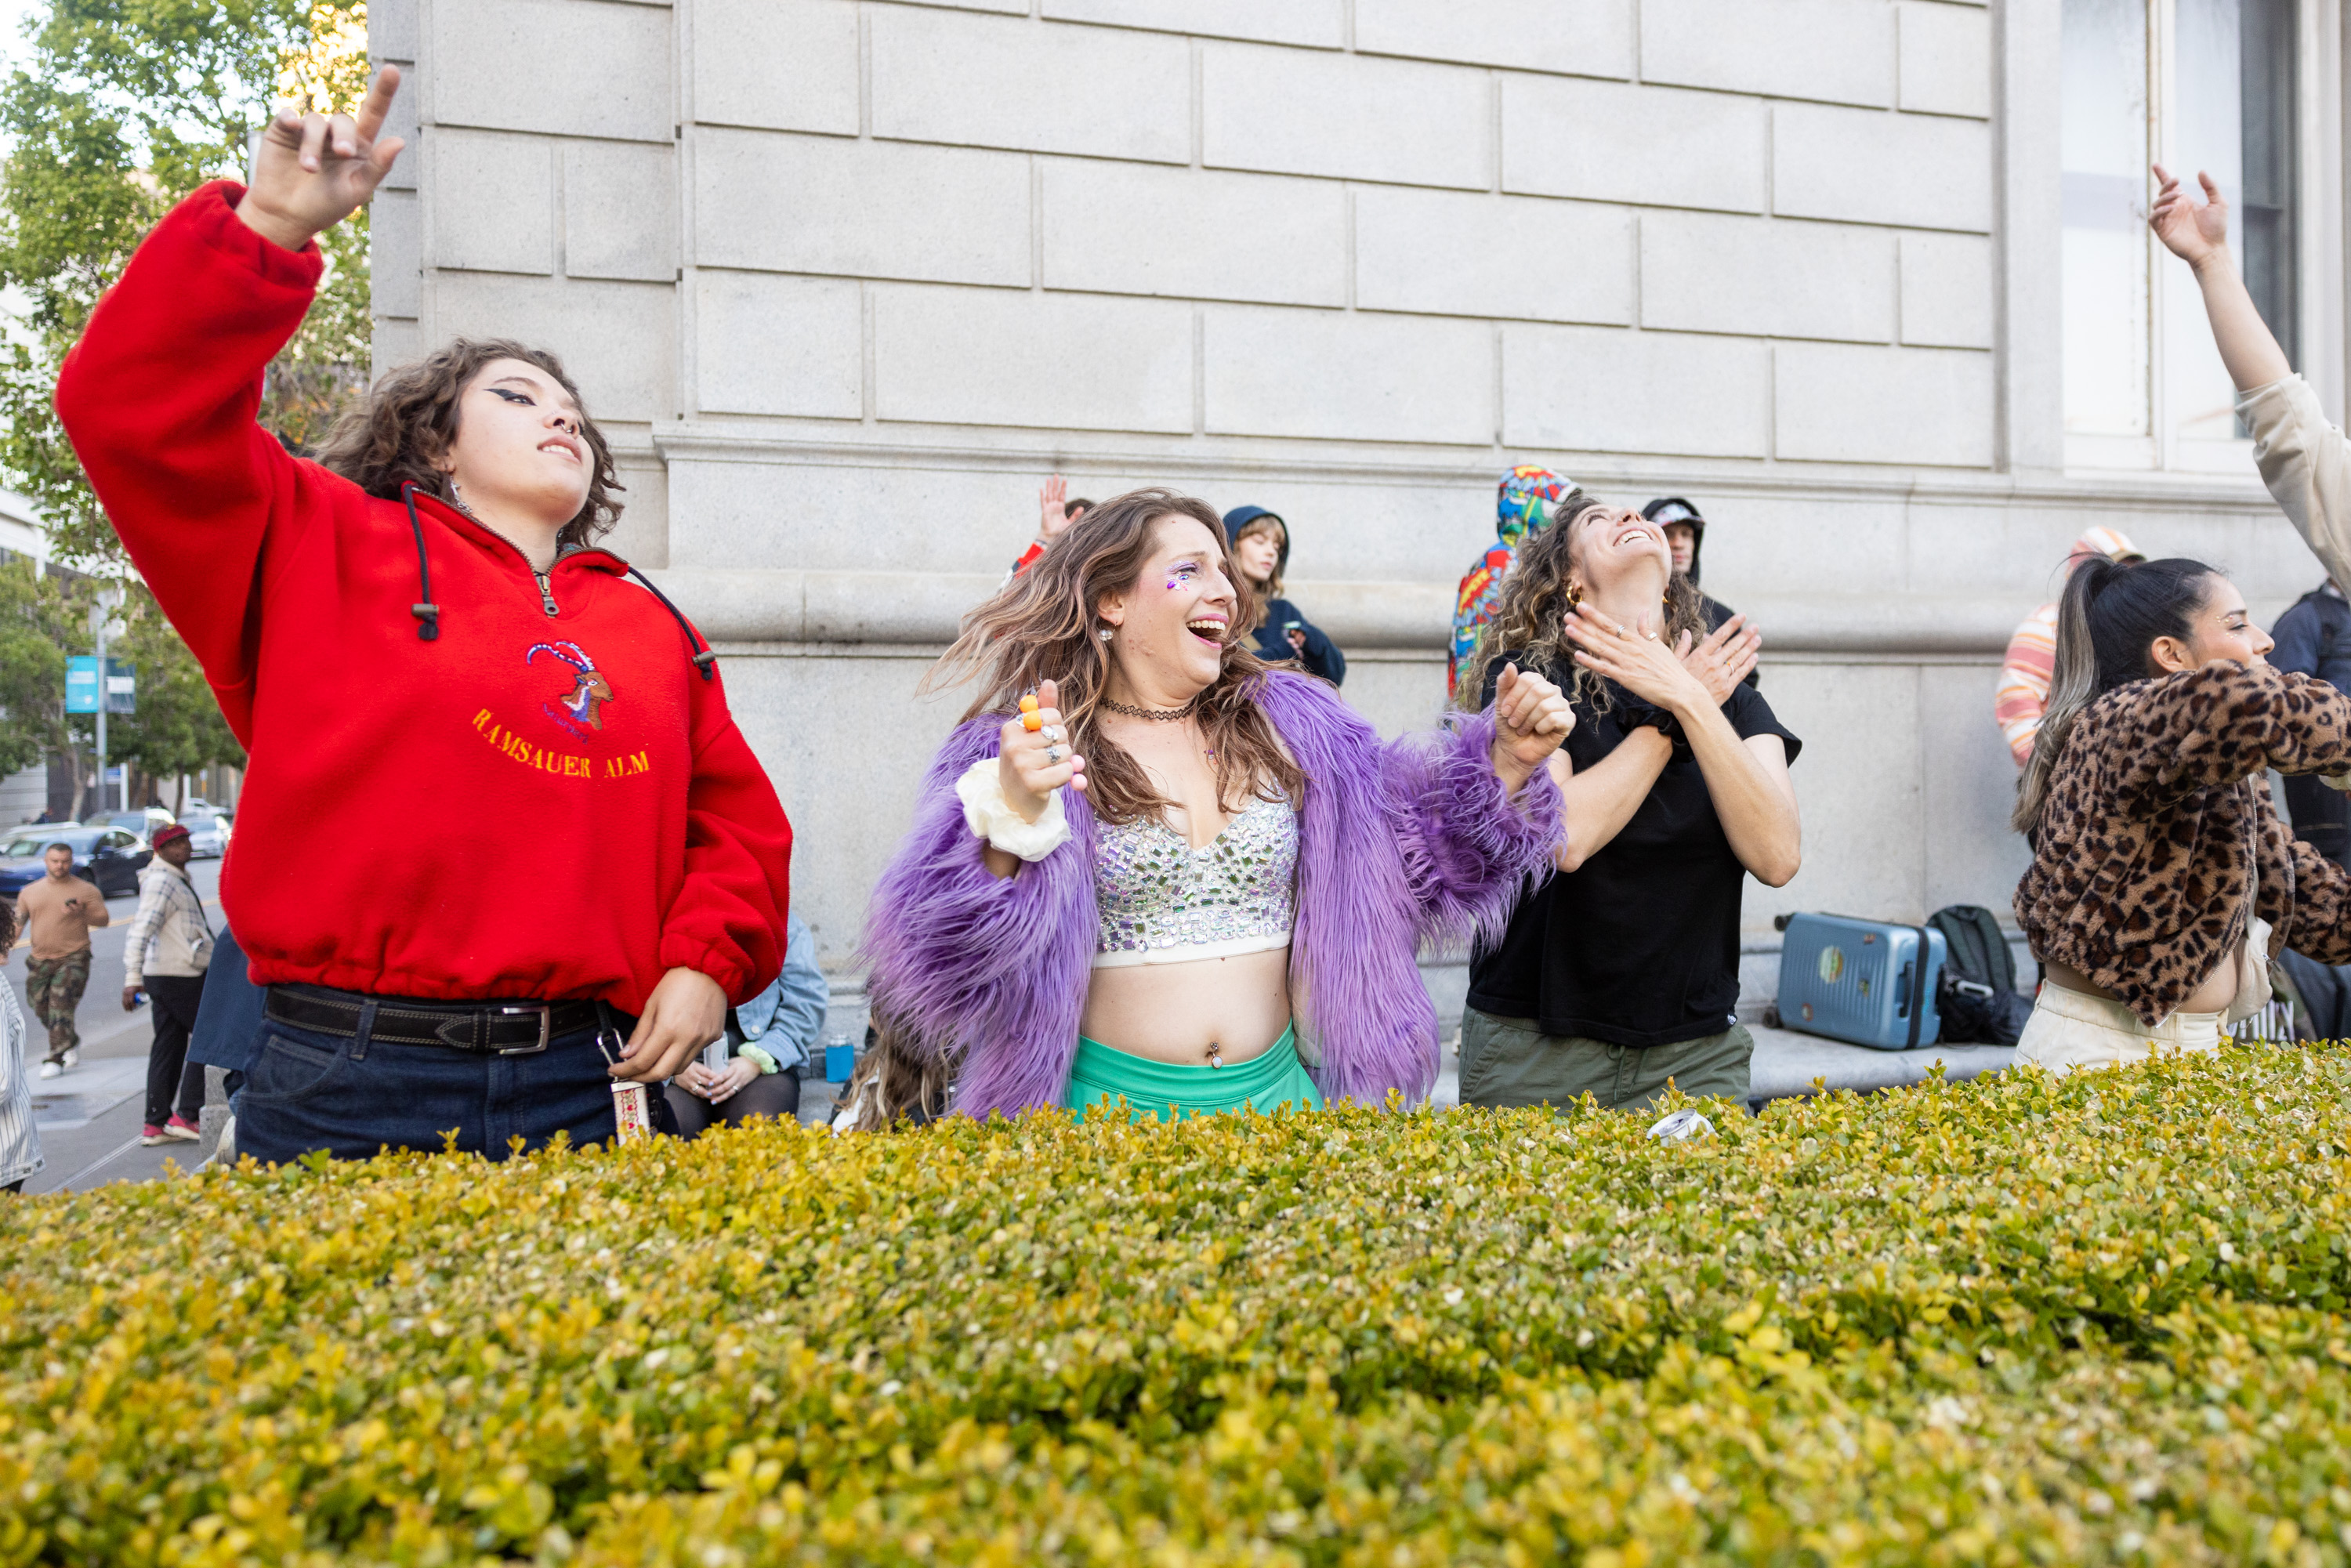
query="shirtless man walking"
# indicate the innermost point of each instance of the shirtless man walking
(59, 912)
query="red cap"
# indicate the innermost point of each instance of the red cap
(164, 835)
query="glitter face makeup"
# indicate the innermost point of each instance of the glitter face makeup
(1180, 575)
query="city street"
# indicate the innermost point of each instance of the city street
(89, 1118)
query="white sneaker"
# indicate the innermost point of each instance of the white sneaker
(52, 1068)
(73, 1056)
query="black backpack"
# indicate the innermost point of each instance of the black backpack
(1976, 994)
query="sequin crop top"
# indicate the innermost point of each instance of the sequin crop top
(1163, 903)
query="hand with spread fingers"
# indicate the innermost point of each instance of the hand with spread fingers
(1724, 659)
(310, 172)
(1033, 754)
(1531, 720)
(2195, 231)
(1053, 508)
(1640, 661)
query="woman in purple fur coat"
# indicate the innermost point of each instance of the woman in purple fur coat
(1147, 865)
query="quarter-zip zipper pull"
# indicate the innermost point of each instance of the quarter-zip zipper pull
(546, 595)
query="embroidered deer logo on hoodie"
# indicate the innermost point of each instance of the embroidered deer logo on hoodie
(577, 710)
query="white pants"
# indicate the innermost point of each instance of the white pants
(2069, 1029)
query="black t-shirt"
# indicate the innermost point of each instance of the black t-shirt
(1640, 946)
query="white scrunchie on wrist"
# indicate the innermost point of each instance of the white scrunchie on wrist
(991, 816)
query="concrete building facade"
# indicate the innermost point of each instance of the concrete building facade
(1867, 279)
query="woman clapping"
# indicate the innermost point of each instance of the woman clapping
(1620, 973)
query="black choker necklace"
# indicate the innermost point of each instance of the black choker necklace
(1163, 715)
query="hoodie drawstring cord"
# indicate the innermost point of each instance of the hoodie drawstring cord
(428, 614)
(705, 658)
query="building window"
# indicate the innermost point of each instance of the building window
(2206, 85)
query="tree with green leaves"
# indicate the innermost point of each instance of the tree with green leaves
(125, 107)
(178, 726)
(40, 619)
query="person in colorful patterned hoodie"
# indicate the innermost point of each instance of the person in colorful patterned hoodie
(1529, 498)
(2023, 689)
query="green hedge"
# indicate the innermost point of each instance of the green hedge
(2009, 1320)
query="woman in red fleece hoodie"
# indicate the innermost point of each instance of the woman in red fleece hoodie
(596, 862)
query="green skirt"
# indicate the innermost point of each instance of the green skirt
(1102, 1075)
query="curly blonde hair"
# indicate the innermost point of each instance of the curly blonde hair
(1530, 622)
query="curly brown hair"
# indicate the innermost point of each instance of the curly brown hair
(404, 428)
(1042, 625)
(1530, 622)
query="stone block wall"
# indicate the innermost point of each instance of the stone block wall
(846, 278)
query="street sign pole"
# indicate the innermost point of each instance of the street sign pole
(109, 599)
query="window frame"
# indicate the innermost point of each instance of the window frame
(2319, 350)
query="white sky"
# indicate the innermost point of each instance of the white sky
(12, 28)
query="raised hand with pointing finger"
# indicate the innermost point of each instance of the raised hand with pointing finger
(312, 171)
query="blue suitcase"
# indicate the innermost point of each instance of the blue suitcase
(1862, 981)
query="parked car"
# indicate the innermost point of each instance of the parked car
(142, 823)
(109, 857)
(208, 832)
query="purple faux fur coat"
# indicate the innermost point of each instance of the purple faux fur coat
(1398, 842)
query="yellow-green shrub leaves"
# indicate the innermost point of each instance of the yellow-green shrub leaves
(2010, 1320)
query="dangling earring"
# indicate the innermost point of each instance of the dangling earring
(458, 496)
(1105, 634)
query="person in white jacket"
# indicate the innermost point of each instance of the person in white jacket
(169, 950)
(2304, 459)
(20, 1140)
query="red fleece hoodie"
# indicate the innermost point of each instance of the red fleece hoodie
(528, 806)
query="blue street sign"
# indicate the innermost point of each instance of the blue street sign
(81, 685)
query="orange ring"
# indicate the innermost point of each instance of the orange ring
(1029, 704)
(1032, 721)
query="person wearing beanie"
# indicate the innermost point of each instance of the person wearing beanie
(1685, 536)
(1528, 499)
(168, 950)
(1258, 542)
(2023, 690)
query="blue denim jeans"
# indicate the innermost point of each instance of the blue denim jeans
(308, 1091)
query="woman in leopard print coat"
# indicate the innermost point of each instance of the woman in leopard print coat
(2147, 805)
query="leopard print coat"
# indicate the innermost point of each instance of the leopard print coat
(2157, 814)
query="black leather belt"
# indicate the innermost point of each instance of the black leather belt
(504, 1029)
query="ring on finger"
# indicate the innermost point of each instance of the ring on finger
(1052, 735)
(1052, 754)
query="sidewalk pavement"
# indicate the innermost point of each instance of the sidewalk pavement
(89, 1118)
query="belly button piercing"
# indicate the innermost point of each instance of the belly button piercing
(1215, 1054)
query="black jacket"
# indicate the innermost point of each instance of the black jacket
(1322, 656)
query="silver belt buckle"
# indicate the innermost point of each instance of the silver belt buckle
(546, 1016)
